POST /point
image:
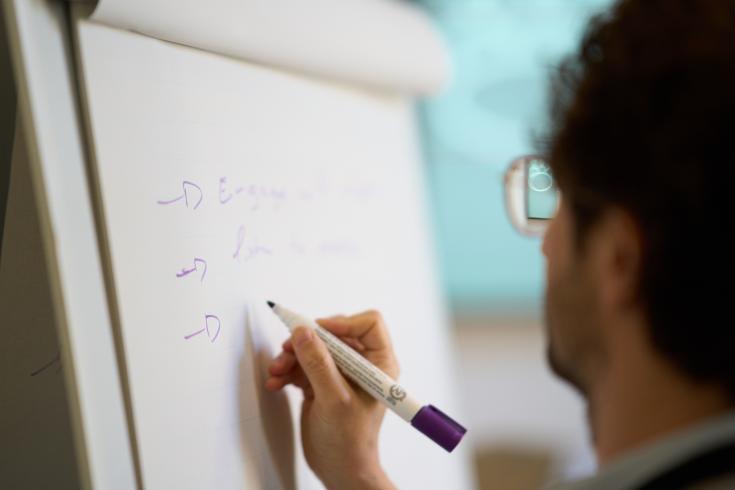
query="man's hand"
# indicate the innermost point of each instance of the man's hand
(339, 421)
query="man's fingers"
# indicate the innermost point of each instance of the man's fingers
(296, 378)
(354, 343)
(364, 332)
(368, 327)
(282, 364)
(330, 388)
(351, 341)
(275, 383)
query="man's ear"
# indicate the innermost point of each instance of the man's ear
(617, 253)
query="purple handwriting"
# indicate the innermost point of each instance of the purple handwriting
(258, 196)
(224, 196)
(247, 248)
(189, 189)
(198, 264)
(212, 326)
(298, 247)
(55, 361)
(255, 194)
(240, 241)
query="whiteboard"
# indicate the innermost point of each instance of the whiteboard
(222, 184)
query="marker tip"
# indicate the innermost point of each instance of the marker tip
(271, 304)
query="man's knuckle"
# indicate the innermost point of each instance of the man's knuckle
(375, 316)
(343, 399)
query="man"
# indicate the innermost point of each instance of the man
(642, 151)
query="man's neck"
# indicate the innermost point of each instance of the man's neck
(641, 398)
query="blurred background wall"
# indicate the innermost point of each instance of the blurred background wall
(526, 427)
(503, 51)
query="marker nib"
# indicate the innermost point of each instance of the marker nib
(271, 304)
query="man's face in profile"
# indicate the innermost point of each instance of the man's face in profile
(571, 312)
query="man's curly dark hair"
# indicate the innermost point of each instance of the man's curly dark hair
(643, 118)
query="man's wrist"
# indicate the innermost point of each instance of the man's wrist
(377, 480)
(371, 477)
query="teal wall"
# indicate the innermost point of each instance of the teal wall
(502, 52)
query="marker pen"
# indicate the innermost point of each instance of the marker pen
(426, 418)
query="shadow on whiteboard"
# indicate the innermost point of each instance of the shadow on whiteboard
(268, 439)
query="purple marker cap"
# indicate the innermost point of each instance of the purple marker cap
(438, 427)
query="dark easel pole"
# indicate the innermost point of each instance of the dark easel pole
(7, 121)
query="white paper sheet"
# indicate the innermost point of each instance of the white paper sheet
(384, 43)
(224, 184)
